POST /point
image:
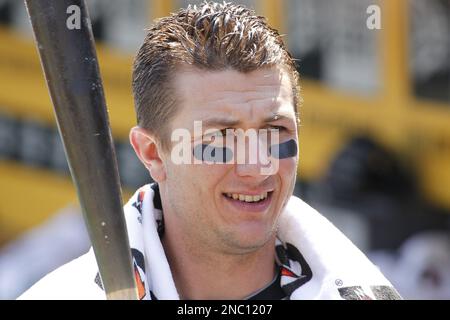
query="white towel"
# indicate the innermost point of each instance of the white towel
(317, 261)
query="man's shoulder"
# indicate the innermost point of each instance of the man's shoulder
(328, 255)
(74, 280)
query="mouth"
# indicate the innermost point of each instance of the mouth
(246, 202)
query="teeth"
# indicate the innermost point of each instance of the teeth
(247, 198)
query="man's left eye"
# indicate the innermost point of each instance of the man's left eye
(278, 128)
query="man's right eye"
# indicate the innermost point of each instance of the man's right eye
(226, 132)
(219, 133)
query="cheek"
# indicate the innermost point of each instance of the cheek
(202, 178)
(211, 177)
(287, 174)
(288, 170)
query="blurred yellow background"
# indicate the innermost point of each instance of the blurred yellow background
(375, 120)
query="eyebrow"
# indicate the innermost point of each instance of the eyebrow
(219, 122)
(230, 122)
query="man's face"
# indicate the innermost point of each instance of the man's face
(199, 197)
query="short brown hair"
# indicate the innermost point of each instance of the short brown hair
(211, 36)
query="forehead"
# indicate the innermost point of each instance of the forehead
(249, 96)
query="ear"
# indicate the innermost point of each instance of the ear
(146, 148)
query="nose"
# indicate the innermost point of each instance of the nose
(249, 170)
(253, 160)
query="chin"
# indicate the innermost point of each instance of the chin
(250, 238)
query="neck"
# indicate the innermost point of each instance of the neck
(200, 273)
